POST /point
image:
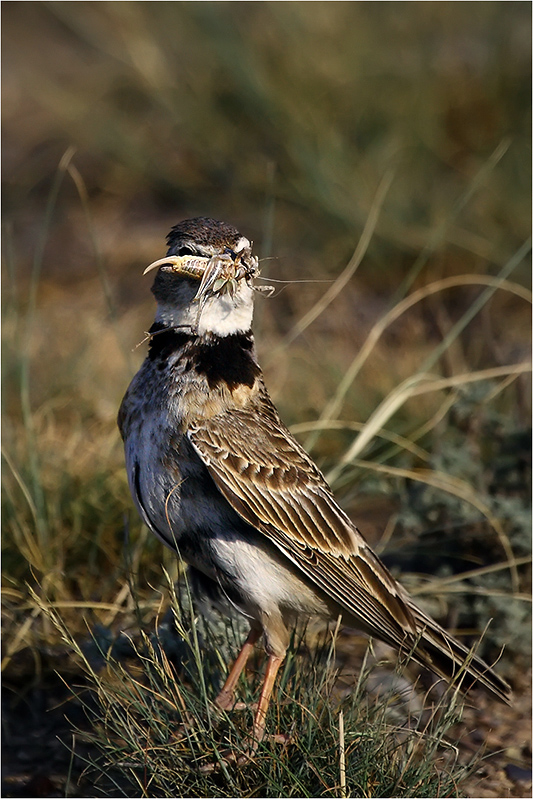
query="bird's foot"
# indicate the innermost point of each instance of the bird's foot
(182, 731)
(231, 757)
(226, 701)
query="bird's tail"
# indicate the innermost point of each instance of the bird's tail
(439, 651)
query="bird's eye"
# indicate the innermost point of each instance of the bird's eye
(186, 251)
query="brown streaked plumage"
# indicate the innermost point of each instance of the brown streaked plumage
(216, 475)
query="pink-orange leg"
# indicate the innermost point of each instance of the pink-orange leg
(274, 662)
(225, 698)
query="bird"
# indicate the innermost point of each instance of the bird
(218, 477)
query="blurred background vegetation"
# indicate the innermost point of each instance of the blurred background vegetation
(308, 126)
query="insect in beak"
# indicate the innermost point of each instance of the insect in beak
(218, 275)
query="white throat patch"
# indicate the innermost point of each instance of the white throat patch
(224, 315)
(221, 314)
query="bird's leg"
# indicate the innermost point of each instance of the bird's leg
(225, 698)
(274, 662)
(258, 733)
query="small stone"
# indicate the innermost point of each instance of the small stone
(517, 773)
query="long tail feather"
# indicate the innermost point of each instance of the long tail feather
(448, 658)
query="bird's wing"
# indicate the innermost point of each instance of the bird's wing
(274, 485)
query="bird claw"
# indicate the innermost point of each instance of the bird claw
(242, 758)
(227, 758)
(228, 702)
(282, 738)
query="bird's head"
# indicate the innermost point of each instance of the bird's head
(205, 282)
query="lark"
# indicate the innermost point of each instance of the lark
(219, 478)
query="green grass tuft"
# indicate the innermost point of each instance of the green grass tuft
(157, 732)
